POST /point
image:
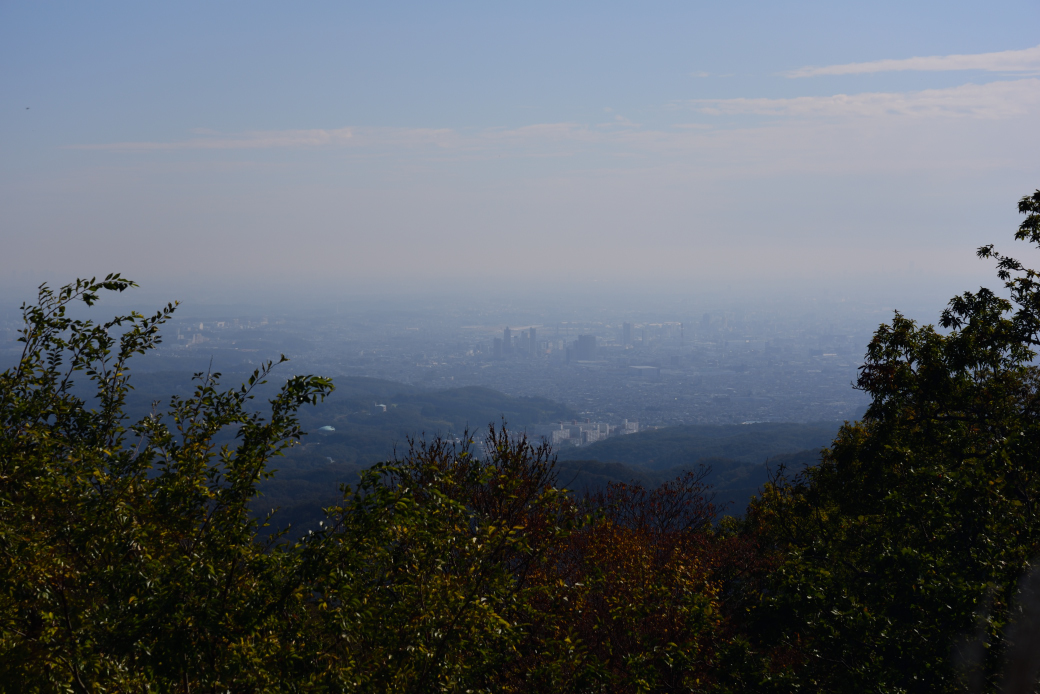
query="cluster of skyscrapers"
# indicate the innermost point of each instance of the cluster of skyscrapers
(524, 342)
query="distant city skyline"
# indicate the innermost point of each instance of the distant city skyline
(713, 364)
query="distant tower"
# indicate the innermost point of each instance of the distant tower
(532, 341)
(586, 347)
(705, 321)
(507, 341)
(626, 334)
(682, 335)
(497, 351)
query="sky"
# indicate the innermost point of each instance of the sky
(341, 148)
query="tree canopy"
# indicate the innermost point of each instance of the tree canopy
(905, 545)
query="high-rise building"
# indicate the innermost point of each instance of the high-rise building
(507, 341)
(626, 334)
(532, 342)
(585, 349)
(497, 350)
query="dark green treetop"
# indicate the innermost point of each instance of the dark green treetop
(905, 545)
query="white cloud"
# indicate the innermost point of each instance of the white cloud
(1004, 99)
(1026, 60)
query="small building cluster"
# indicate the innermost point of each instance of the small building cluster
(577, 433)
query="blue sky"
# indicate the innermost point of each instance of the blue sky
(767, 144)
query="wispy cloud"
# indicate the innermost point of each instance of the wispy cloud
(1022, 61)
(249, 140)
(433, 139)
(935, 129)
(1004, 99)
(995, 100)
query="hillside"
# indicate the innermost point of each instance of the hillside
(683, 446)
(739, 457)
(364, 433)
(733, 482)
(309, 475)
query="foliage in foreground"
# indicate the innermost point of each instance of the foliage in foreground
(129, 560)
(902, 551)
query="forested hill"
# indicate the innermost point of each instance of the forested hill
(740, 457)
(679, 446)
(371, 420)
(364, 433)
(370, 416)
(309, 475)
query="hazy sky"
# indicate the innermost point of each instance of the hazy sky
(514, 144)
